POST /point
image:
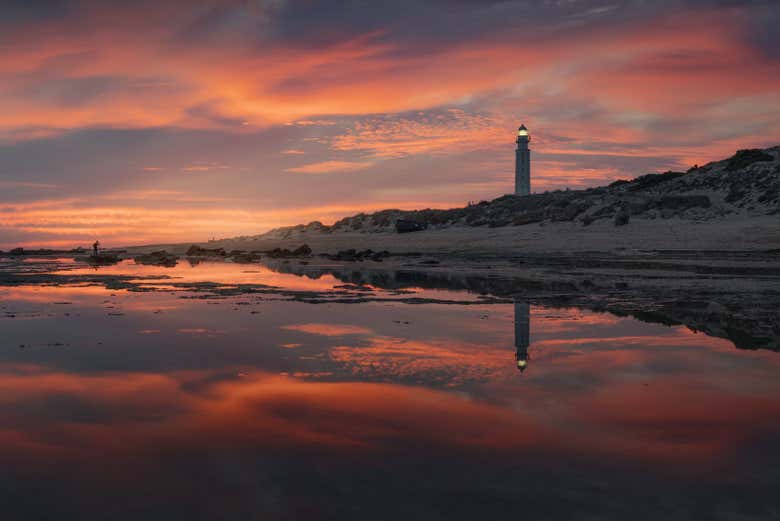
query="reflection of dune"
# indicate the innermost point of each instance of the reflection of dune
(569, 319)
(677, 337)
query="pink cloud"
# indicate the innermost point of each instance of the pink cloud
(328, 167)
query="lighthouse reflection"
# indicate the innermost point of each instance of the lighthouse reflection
(522, 334)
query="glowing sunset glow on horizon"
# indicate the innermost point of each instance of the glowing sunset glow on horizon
(175, 121)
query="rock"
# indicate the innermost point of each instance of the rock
(353, 255)
(347, 255)
(246, 258)
(157, 258)
(302, 251)
(197, 251)
(283, 253)
(101, 259)
(380, 255)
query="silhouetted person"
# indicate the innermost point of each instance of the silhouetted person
(95, 248)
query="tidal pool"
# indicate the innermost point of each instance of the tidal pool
(220, 391)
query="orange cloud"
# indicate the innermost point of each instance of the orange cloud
(328, 167)
(668, 90)
(452, 131)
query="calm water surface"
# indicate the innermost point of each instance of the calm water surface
(162, 399)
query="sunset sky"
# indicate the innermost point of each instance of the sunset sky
(169, 121)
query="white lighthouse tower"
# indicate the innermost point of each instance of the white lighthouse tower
(522, 162)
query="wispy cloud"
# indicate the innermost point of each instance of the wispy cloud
(435, 132)
(329, 167)
(216, 101)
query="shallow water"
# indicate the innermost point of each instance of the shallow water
(176, 397)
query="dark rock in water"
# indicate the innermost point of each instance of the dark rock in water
(407, 226)
(157, 258)
(379, 256)
(245, 258)
(347, 255)
(302, 251)
(353, 255)
(101, 259)
(282, 253)
(197, 251)
(622, 216)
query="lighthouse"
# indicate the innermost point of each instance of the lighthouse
(522, 162)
